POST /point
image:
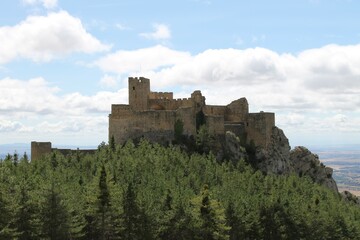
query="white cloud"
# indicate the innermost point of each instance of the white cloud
(10, 126)
(42, 38)
(333, 67)
(144, 59)
(161, 32)
(323, 79)
(37, 97)
(108, 81)
(41, 110)
(49, 4)
(34, 95)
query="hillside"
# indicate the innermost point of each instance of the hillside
(155, 192)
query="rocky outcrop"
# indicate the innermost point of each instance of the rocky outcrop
(275, 159)
(306, 163)
(278, 159)
(233, 149)
(348, 196)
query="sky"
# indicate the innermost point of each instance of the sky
(64, 62)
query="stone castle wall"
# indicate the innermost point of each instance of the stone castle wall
(139, 90)
(215, 124)
(40, 149)
(259, 128)
(214, 110)
(173, 104)
(153, 114)
(161, 95)
(237, 128)
(138, 124)
(237, 111)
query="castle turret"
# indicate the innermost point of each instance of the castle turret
(139, 90)
(198, 99)
(259, 128)
(38, 149)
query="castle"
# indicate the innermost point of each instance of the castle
(152, 115)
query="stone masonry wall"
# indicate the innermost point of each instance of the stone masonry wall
(173, 104)
(237, 111)
(214, 110)
(38, 149)
(215, 125)
(143, 123)
(259, 127)
(161, 95)
(139, 90)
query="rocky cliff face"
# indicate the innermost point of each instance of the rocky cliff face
(233, 149)
(348, 196)
(306, 163)
(278, 159)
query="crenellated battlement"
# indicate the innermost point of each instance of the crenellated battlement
(161, 95)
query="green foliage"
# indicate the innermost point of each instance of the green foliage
(136, 224)
(152, 192)
(204, 140)
(178, 130)
(54, 216)
(112, 143)
(209, 216)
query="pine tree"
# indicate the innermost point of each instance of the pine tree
(209, 217)
(179, 226)
(112, 143)
(16, 158)
(4, 217)
(104, 203)
(54, 217)
(236, 229)
(134, 220)
(21, 226)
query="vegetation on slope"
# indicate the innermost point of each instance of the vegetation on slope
(154, 192)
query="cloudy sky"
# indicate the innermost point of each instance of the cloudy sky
(63, 62)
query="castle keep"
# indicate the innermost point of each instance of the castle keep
(153, 115)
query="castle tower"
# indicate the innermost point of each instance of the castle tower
(139, 90)
(38, 149)
(198, 99)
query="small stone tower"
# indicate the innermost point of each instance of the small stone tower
(139, 90)
(38, 149)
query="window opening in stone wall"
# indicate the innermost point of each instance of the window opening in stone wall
(133, 88)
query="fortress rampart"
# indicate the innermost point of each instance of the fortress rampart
(259, 127)
(40, 149)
